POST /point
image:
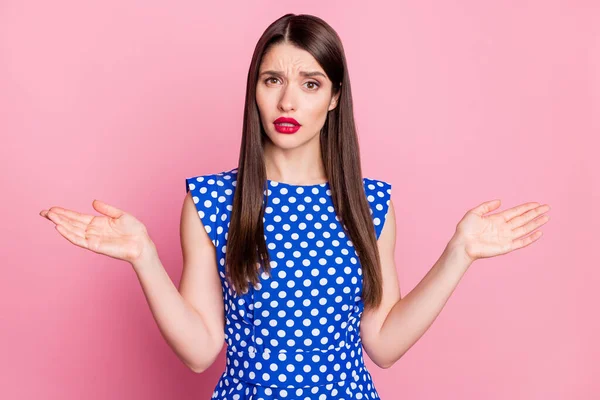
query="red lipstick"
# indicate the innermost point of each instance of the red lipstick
(286, 125)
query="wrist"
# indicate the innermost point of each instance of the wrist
(147, 253)
(457, 247)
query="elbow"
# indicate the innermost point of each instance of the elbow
(208, 360)
(200, 367)
(385, 364)
(379, 356)
(197, 370)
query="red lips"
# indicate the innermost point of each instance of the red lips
(284, 119)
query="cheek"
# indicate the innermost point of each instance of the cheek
(259, 97)
(266, 98)
(316, 109)
(263, 104)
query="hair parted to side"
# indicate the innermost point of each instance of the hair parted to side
(246, 247)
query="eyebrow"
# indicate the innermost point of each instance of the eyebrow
(302, 73)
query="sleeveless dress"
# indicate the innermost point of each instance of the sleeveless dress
(296, 334)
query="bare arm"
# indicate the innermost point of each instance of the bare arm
(190, 319)
(398, 324)
(392, 328)
(412, 316)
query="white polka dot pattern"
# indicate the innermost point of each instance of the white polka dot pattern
(296, 335)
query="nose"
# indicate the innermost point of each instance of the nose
(287, 101)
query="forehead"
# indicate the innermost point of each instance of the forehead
(289, 59)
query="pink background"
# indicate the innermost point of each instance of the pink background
(456, 104)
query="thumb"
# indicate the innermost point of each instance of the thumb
(107, 209)
(486, 207)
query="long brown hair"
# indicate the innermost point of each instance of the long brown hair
(246, 246)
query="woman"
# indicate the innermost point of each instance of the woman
(289, 258)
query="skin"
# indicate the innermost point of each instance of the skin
(293, 158)
(391, 329)
(388, 331)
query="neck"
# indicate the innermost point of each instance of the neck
(300, 165)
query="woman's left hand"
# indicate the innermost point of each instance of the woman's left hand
(483, 236)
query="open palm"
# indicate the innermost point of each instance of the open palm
(491, 235)
(116, 234)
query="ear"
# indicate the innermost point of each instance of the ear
(334, 100)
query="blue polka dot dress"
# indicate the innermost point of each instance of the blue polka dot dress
(296, 334)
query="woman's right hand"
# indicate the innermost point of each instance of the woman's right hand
(116, 234)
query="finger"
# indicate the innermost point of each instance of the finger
(74, 223)
(59, 220)
(44, 213)
(107, 209)
(71, 237)
(531, 225)
(486, 207)
(73, 215)
(527, 216)
(524, 242)
(518, 210)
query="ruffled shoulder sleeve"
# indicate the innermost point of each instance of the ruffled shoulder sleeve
(205, 193)
(378, 195)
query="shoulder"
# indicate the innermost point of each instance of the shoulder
(378, 194)
(212, 195)
(377, 190)
(203, 183)
(377, 185)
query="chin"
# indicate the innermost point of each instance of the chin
(287, 142)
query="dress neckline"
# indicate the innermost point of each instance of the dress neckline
(278, 183)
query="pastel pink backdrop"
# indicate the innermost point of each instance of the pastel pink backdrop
(456, 104)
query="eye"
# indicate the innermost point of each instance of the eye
(314, 83)
(314, 88)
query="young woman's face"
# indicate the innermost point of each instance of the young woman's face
(283, 91)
